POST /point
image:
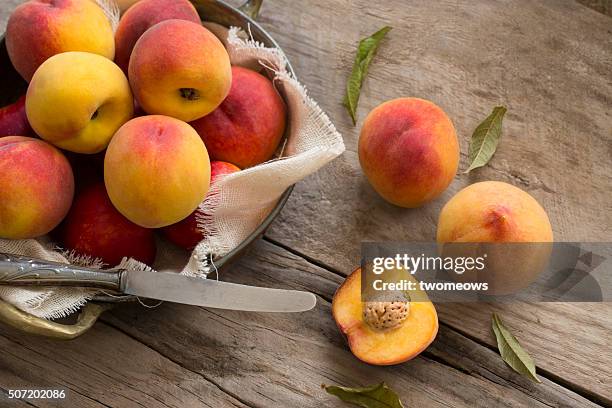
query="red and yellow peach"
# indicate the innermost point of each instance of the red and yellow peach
(36, 187)
(78, 100)
(248, 126)
(156, 170)
(497, 212)
(180, 69)
(408, 151)
(39, 29)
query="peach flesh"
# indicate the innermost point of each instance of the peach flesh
(382, 347)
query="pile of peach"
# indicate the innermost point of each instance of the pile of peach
(120, 132)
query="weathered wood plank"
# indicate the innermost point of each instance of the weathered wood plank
(548, 62)
(557, 87)
(602, 6)
(104, 368)
(5, 11)
(281, 360)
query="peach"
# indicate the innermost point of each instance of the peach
(144, 15)
(36, 187)
(186, 233)
(95, 228)
(497, 212)
(78, 100)
(248, 126)
(14, 121)
(156, 170)
(39, 29)
(408, 151)
(383, 333)
(180, 69)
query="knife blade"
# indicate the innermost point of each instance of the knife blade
(172, 287)
(168, 286)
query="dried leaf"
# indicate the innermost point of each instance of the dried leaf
(485, 139)
(375, 396)
(512, 352)
(365, 53)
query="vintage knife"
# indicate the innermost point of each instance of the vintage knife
(168, 286)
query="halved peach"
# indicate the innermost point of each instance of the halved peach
(383, 333)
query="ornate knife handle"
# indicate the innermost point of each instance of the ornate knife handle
(23, 271)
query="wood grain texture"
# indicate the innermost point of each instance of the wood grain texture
(6, 8)
(603, 6)
(104, 368)
(275, 360)
(547, 61)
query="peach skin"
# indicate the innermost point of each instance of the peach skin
(248, 126)
(93, 227)
(156, 170)
(186, 233)
(36, 187)
(39, 29)
(493, 211)
(497, 212)
(180, 69)
(408, 151)
(144, 15)
(83, 113)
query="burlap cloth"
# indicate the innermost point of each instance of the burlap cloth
(236, 204)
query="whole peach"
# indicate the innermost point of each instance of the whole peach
(156, 170)
(144, 15)
(95, 228)
(36, 187)
(511, 220)
(248, 126)
(408, 150)
(78, 100)
(186, 233)
(180, 69)
(39, 29)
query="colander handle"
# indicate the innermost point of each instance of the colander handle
(31, 324)
(251, 8)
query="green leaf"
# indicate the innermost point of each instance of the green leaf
(365, 53)
(485, 139)
(375, 396)
(512, 352)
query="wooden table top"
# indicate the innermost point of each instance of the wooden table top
(548, 61)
